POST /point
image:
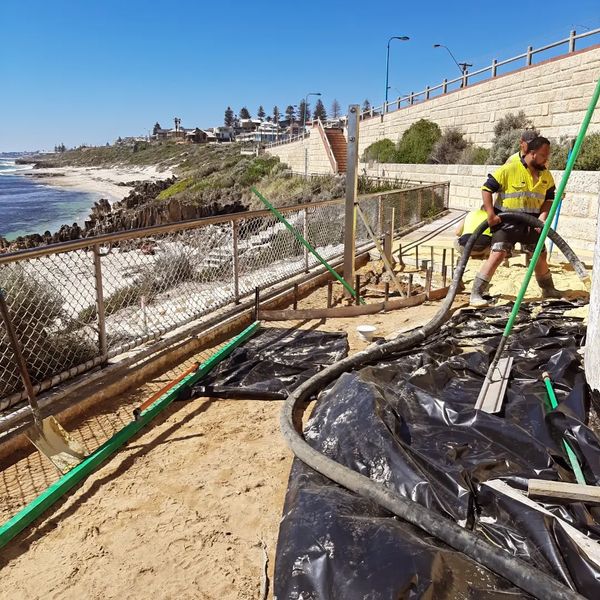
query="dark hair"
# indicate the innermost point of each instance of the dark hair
(537, 143)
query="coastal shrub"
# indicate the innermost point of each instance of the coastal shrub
(474, 155)
(50, 345)
(381, 151)
(449, 148)
(372, 185)
(169, 270)
(178, 186)
(589, 154)
(417, 142)
(257, 169)
(507, 133)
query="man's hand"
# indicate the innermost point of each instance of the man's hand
(493, 219)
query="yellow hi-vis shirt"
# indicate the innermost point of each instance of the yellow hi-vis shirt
(515, 156)
(516, 190)
(473, 220)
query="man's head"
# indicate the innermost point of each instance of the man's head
(527, 136)
(538, 153)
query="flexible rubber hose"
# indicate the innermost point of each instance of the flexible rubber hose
(520, 573)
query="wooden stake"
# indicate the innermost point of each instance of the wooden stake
(295, 296)
(387, 291)
(329, 294)
(357, 288)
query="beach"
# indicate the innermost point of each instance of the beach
(33, 201)
(106, 181)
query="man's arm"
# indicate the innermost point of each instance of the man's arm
(488, 206)
(460, 228)
(493, 184)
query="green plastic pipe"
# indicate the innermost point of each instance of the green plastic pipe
(306, 244)
(541, 242)
(47, 498)
(570, 454)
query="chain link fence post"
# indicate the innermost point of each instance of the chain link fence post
(235, 234)
(100, 308)
(305, 235)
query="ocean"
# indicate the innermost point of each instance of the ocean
(27, 206)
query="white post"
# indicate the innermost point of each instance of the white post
(592, 344)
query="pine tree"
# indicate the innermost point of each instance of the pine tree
(261, 112)
(228, 120)
(335, 109)
(320, 112)
(290, 113)
(276, 115)
(244, 113)
(156, 128)
(302, 111)
(366, 106)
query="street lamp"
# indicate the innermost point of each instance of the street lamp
(462, 66)
(305, 109)
(402, 38)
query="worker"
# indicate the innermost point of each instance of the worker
(523, 186)
(467, 226)
(527, 135)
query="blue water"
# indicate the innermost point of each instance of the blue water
(27, 206)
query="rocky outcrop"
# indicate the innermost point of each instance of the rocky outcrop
(138, 209)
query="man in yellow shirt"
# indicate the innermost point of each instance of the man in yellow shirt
(524, 186)
(464, 231)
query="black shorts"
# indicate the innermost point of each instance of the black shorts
(483, 241)
(506, 235)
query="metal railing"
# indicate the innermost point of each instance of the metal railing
(75, 305)
(463, 80)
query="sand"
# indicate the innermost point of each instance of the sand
(183, 509)
(101, 180)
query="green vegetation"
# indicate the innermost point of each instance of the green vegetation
(381, 151)
(449, 148)
(589, 155)
(414, 147)
(417, 142)
(50, 345)
(507, 133)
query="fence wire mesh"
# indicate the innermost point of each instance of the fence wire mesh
(74, 309)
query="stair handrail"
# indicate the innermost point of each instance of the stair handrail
(328, 148)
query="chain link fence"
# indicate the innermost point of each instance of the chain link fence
(76, 305)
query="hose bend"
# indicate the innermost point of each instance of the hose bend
(515, 570)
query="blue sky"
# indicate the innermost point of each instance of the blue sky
(88, 71)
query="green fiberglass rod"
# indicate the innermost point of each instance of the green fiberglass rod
(540, 245)
(570, 454)
(297, 235)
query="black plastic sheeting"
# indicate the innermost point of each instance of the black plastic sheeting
(273, 363)
(409, 423)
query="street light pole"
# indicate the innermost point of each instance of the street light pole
(402, 38)
(462, 66)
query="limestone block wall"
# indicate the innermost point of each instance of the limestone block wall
(554, 94)
(293, 154)
(578, 218)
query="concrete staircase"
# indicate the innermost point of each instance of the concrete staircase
(339, 147)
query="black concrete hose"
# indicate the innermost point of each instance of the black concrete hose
(520, 573)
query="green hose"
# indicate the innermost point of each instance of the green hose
(306, 244)
(570, 454)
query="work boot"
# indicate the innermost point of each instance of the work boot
(480, 286)
(547, 286)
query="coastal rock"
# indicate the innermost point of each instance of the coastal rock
(137, 210)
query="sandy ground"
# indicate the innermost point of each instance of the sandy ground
(100, 180)
(181, 511)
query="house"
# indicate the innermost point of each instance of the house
(196, 136)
